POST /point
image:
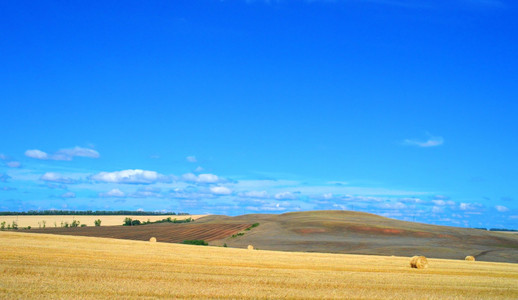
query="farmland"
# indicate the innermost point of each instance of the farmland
(163, 232)
(319, 231)
(36, 221)
(72, 267)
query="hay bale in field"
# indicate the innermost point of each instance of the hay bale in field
(470, 258)
(419, 262)
(250, 247)
(152, 239)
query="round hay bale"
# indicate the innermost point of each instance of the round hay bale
(470, 258)
(152, 239)
(419, 262)
(250, 247)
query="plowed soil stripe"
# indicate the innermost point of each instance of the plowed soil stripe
(164, 232)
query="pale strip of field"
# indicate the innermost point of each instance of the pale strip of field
(69, 267)
(55, 220)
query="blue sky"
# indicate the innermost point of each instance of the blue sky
(401, 108)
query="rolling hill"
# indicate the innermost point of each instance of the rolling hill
(363, 233)
(323, 231)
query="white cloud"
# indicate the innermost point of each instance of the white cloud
(146, 192)
(9, 162)
(469, 206)
(35, 153)
(113, 193)
(55, 177)
(68, 195)
(437, 209)
(79, 152)
(13, 164)
(220, 190)
(269, 207)
(63, 154)
(208, 178)
(411, 200)
(439, 202)
(501, 208)
(136, 176)
(255, 194)
(190, 177)
(198, 169)
(328, 196)
(202, 178)
(191, 159)
(284, 196)
(397, 205)
(366, 199)
(433, 141)
(340, 206)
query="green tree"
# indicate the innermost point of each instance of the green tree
(97, 222)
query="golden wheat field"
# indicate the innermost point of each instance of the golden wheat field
(70, 267)
(57, 220)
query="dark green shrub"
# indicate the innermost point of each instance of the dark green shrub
(238, 234)
(253, 225)
(196, 242)
(97, 222)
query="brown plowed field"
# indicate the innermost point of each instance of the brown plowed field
(163, 232)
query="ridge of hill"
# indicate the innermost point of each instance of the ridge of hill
(363, 233)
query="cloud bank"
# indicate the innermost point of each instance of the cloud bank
(202, 178)
(55, 177)
(63, 154)
(135, 176)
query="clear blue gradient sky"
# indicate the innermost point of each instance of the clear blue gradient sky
(406, 109)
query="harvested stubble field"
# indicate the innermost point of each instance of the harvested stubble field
(71, 267)
(55, 220)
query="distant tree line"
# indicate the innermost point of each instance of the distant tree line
(496, 229)
(88, 213)
(131, 222)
